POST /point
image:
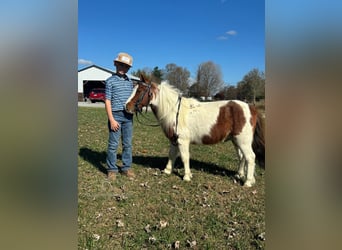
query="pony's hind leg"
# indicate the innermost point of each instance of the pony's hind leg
(249, 157)
(173, 154)
(242, 163)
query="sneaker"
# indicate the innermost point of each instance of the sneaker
(129, 173)
(111, 176)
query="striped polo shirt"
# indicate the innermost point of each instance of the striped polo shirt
(118, 90)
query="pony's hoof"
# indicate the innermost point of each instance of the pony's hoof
(239, 177)
(187, 178)
(249, 183)
(167, 171)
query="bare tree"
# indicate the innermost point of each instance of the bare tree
(209, 77)
(177, 76)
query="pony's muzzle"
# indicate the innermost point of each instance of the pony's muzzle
(129, 110)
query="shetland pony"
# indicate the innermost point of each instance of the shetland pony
(186, 120)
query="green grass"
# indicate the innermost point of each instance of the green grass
(156, 210)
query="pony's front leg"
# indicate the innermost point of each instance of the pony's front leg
(185, 155)
(173, 153)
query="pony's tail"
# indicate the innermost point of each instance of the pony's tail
(258, 144)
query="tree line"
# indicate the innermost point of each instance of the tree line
(208, 82)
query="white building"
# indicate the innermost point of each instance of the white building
(91, 77)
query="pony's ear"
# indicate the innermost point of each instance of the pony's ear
(142, 78)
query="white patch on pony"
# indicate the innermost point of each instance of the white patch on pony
(203, 117)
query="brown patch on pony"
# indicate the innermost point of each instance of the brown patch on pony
(154, 109)
(171, 135)
(239, 119)
(230, 121)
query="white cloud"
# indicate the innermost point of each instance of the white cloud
(84, 62)
(222, 38)
(231, 32)
(226, 35)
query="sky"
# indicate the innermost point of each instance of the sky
(230, 33)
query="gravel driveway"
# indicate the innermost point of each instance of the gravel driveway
(93, 105)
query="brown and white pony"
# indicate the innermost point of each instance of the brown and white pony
(186, 120)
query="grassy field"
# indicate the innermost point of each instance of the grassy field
(158, 211)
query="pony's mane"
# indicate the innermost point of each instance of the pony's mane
(168, 103)
(173, 92)
(165, 86)
(168, 98)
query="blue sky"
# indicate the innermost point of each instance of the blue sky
(231, 33)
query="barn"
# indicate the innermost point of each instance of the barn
(92, 77)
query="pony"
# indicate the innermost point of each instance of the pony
(186, 121)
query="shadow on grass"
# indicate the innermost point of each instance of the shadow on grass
(98, 160)
(160, 163)
(208, 168)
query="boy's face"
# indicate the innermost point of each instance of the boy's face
(121, 68)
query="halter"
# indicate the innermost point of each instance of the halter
(141, 97)
(174, 139)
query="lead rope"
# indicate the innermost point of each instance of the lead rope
(145, 124)
(174, 140)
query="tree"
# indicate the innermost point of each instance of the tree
(209, 78)
(219, 95)
(145, 72)
(196, 91)
(244, 91)
(177, 76)
(252, 86)
(230, 92)
(137, 73)
(227, 93)
(156, 75)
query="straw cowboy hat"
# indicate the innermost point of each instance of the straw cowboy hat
(124, 58)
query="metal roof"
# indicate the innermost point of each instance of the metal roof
(108, 70)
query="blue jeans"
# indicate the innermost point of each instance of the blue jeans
(125, 132)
